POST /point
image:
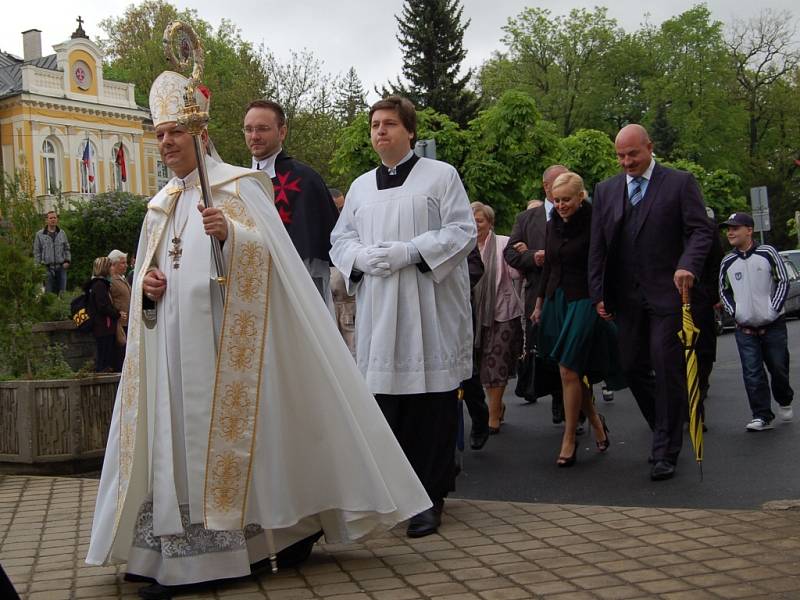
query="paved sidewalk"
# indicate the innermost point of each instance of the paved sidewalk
(486, 551)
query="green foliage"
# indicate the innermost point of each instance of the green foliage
(96, 226)
(23, 305)
(431, 39)
(354, 154)
(20, 211)
(510, 147)
(721, 188)
(351, 100)
(590, 154)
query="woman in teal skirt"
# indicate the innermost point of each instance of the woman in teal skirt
(570, 331)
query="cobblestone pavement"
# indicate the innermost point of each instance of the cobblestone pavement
(486, 550)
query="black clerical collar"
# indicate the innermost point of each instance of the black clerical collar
(391, 178)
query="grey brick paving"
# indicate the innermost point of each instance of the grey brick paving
(486, 551)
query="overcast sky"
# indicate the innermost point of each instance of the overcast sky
(345, 33)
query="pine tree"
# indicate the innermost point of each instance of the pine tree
(431, 38)
(350, 98)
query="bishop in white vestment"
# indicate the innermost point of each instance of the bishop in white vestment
(401, 243)
(224, 447)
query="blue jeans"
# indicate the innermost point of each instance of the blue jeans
(56, 280)
(770, 349)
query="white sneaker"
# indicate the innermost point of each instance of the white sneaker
(786, 413)
(758, 424)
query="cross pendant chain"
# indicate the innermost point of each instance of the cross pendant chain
(176, 252)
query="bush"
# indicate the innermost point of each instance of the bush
(98, 225)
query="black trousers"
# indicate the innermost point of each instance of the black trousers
(475, 399)
(426, 427)
(654, 365)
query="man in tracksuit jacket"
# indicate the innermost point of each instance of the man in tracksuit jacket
(752, 286)
(51, 249)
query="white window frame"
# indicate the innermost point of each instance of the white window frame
(51, 163)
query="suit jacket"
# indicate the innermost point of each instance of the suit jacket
(673, 233)
(530, 228)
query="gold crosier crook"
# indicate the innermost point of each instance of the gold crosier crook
(194, 119)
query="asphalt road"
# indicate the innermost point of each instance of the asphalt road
(740, 469)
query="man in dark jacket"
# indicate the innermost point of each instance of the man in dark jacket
(51, 249)
(650, 239)
(525, 252)
(301, 196)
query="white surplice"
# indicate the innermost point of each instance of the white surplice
(323, 456)
(413, 329)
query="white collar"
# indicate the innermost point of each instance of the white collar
(548, 208)
(267, 164)
(647, 175)
(406, 158)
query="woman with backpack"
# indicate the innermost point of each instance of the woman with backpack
(104, 315)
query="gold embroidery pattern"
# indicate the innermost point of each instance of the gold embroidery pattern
(235, 210)
(250, 269)
(227, 479)
(243, 345)
(235, 408)
(130, 389)
(237, 387)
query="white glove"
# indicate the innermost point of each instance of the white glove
(371, 260)
(400, 254)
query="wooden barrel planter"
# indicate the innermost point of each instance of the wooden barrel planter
(57, 426)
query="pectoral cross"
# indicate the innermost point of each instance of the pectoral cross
(176, 252)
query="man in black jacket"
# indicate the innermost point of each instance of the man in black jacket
(525, 252)
(301, 196)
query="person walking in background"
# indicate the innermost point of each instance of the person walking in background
(344, 304)
(51, 249)
(498, 308)
(473, 394)
(753, 284)
(570, 331)
(525, 252)
(650, 238)
(104, 316)
(121, 299)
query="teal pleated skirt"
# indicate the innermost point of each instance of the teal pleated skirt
(572, 334)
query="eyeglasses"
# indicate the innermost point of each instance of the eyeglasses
(261, 129)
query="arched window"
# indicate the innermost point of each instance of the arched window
(87, 159)
(51, 167)
(119, 167)
(162, 174)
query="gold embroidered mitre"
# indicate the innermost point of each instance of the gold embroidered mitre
(166, 97)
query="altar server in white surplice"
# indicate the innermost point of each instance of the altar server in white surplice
(243, 429)
(401, 243)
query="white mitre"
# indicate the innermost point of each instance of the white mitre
(166, 97)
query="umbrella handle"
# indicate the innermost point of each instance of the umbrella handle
(685, 295)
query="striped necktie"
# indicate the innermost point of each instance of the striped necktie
(636, 194)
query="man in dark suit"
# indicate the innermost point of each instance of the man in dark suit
(525, 252)
(650, 239)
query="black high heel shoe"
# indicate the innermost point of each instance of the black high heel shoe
(603, 445)
(568, 461)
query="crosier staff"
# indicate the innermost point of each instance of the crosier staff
(194, 119)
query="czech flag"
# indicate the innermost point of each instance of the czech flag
(88, 161)
(120, 160)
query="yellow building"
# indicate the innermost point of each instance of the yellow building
(52, 106)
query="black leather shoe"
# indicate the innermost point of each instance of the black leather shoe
(662, 470)
(478, 440)
(425, 523)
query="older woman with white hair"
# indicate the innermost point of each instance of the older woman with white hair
(498, 308)
(121, 299)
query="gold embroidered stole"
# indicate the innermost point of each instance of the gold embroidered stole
(240, 359)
